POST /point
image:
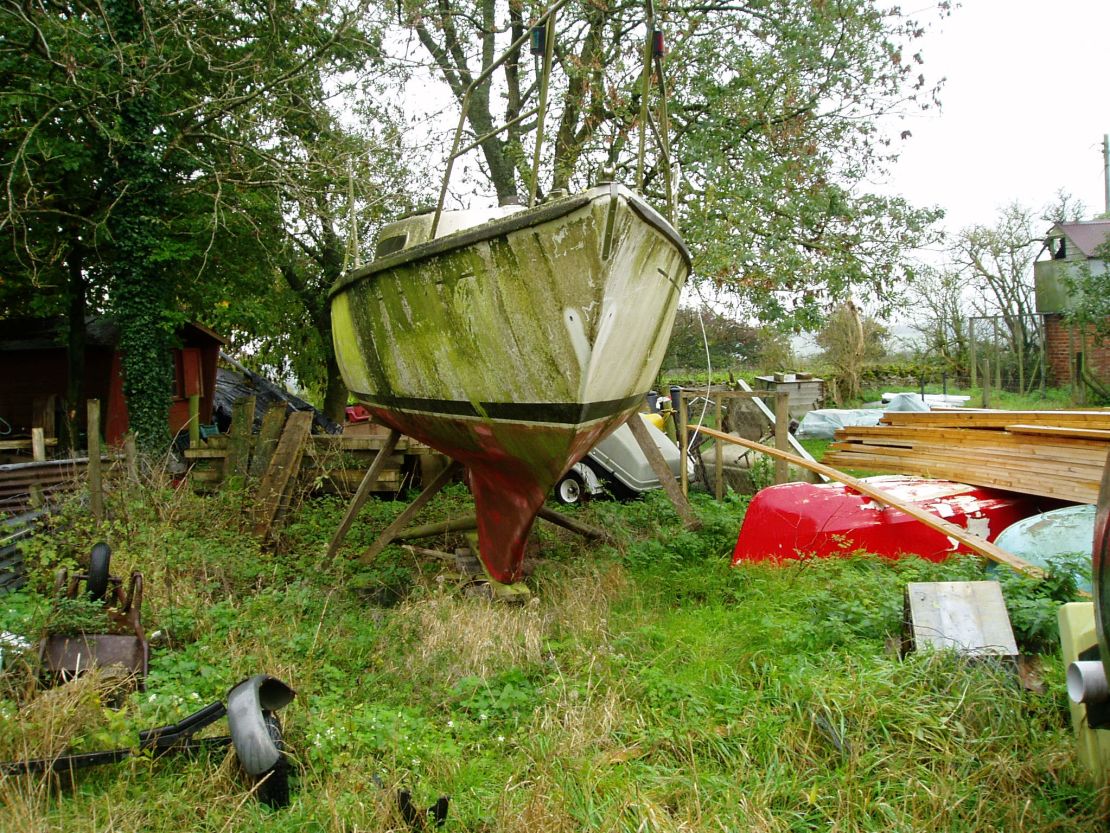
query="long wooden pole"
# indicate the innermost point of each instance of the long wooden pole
(389, 534)
(363, 492)
(662, 472)
(973, 542)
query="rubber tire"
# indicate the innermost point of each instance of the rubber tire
(570, 491)
(99, 562)
(273, 785)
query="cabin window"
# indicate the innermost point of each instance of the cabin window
(389, 245)
(1059, 248)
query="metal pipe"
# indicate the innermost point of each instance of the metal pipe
(1086, 680)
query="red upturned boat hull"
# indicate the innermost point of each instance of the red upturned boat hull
(796, 520)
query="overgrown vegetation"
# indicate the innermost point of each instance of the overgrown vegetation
(650, 687)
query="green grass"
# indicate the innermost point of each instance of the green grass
(650, 687)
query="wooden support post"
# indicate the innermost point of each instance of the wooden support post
(974, 542)
(799, 449)
(239, 443)
(465, 523)
(96, 485)
(986, 383)
(42, 414)
(782, 432)
(575, 525)
(272, 423)
(283, 469)
(363, 491)
(683, 443)
(194, 421)
(38, 454)
(662, 471)
(719, 455)
(389, 534)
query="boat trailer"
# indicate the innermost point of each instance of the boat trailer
(255, 734)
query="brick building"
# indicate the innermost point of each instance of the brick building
(1071, 248)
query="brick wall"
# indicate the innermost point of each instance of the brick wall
(1063, 341)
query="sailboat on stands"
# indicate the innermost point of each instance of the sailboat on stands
(512, 339)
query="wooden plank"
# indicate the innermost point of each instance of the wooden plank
(268, 435)
(239, 437)
(27, 445)
(285, 463)
(342, 443)
(362, 494)
(401, 521)
(663, 472)
(206, 453)
(967, 616)
(1059, 431)
(973, 542)
(970, 436)
(987, 418)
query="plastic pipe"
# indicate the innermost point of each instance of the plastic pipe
(1087, 682)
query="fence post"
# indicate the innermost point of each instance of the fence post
(38, 453)
(683, 442)
(719, 453)
(782, 434)
(96, 492)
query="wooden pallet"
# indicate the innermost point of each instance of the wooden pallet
(336, 463)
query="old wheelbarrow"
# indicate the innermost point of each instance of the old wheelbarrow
(123, 648)
(255, 734)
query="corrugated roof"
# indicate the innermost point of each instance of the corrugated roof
(1087, 235)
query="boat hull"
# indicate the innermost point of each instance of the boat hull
(802, 520)
(515, 346)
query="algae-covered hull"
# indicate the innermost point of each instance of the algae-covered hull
(514, 345)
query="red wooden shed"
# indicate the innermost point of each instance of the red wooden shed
(33, 373)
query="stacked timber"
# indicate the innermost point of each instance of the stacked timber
(1056, 454)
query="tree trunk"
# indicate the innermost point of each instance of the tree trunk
(335, 394)
(75, 348)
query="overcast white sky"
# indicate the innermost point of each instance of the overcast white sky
(1023, 110)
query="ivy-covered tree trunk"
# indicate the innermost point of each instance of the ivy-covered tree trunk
(141, 298)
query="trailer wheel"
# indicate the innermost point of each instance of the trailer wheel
(273, 785)
(570, 490)
(97, 583)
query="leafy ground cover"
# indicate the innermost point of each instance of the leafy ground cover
(646, 687)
